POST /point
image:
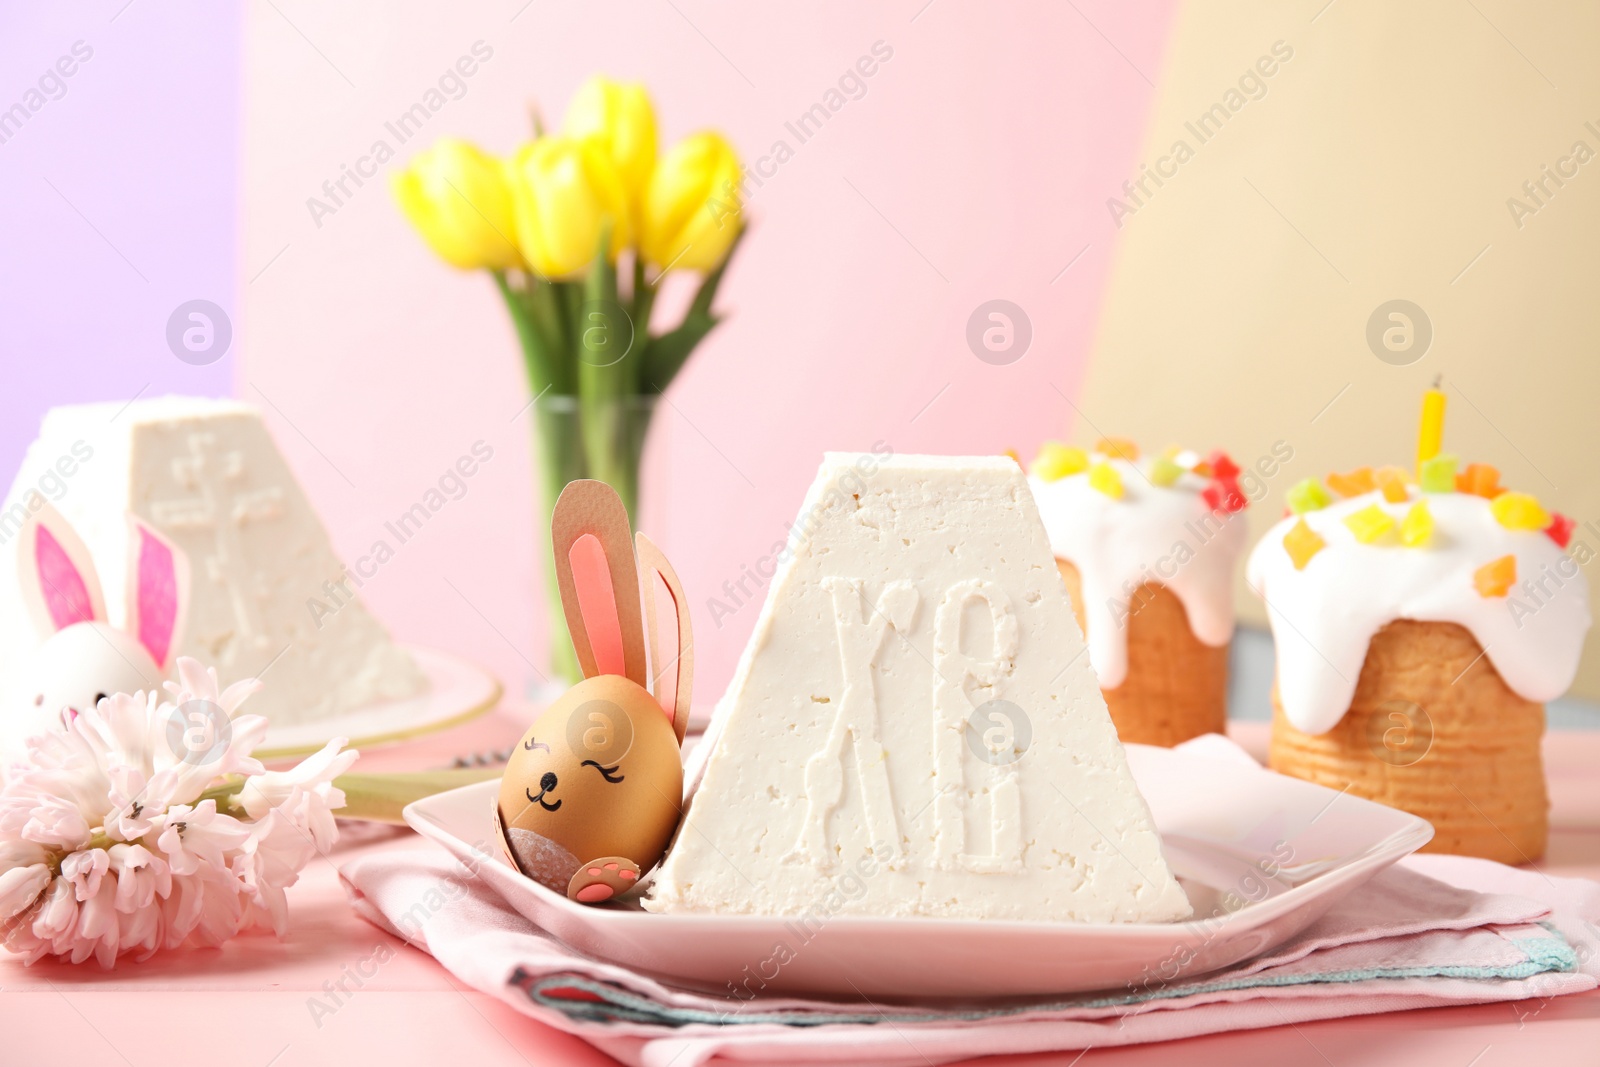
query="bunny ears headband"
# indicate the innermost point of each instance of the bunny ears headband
(61, 588)
(601, 594)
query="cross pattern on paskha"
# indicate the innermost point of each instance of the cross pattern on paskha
(219, 503)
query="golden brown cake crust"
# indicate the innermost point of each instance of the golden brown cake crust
(1177, 686)
(1433, 730)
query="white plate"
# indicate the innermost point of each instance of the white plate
(457, 692)
(1230, 830)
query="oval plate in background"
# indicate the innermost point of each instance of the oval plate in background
(458, 691)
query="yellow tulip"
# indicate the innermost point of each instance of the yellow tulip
(564, 190)
(622, 121)
(458, 198)
(691, 212)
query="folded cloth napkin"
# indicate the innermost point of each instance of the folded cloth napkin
(1415, 936)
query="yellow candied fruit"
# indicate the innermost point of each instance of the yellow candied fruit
(1370, 523)
(1416, 529)
(1392, 480)
(1302, 542)
(1117, 448)
(1056, 461)
(1495, 578)
(1353, 483)
(1011, 454)
(1519, 511)
(1164, 472)
(1104, 477)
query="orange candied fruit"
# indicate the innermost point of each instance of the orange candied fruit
(1496, 578)
(1117, 448)
(1480, 479)
(1302, 542)
(1354, 483)
(1392, 480)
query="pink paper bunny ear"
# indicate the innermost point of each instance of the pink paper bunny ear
(56, 574)
(674, 675)
(158, 591)
(599, 580)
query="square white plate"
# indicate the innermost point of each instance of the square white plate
(1261, 856)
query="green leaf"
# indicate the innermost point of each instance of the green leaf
(541, 355)
(667, 354)
(713, 281)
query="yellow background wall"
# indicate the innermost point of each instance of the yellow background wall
(1375, 163)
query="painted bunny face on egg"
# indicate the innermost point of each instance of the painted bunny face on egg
(82, 658)
(599, 775)
(593, 792)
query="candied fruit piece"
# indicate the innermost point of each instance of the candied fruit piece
(1221, 466)
(1164, 472)
(1519, 511)
(1495, 579)
(1560, 529)
(1118, 448)
(1104, 477)
(1056, 461)
(1302, 542)
(1438, 475)
(1370, 523)
(1416, 529)
(1354, 483)
(1480, 479)
(1224, 495)
(1308, 494)
(1392, 480)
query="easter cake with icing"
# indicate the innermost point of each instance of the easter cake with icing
(1148, 549)
(1421, 623)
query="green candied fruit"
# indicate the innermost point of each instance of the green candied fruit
(1164, 472)
(1438, 475)
(1308, 494)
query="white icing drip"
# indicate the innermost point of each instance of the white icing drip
(1165, 535)
(1324, 616)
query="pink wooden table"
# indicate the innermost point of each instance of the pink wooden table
(256, 1001)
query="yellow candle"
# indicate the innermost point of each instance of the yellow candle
(1430, 434)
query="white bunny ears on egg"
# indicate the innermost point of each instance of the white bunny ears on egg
(61, 587)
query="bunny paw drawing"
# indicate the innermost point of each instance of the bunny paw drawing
(593, 792)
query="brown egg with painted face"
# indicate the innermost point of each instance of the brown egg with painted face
(593, 792)
(597, 780)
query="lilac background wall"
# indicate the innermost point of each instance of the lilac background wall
(119, 201)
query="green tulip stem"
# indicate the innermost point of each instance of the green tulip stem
(595, 390)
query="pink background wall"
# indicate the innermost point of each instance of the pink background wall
(975, 167)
